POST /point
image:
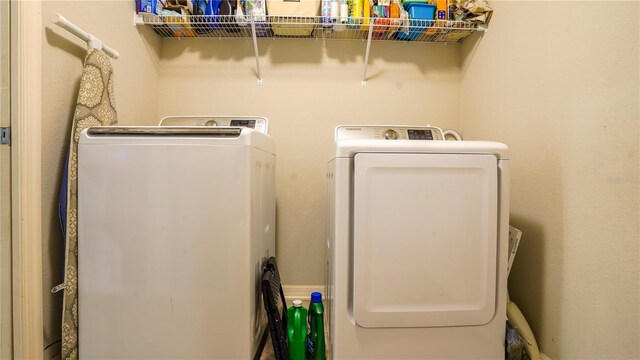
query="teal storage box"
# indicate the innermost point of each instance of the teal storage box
(418, 13)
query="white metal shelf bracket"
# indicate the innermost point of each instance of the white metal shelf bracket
(255, 49)
(137, 20)
(366, 55)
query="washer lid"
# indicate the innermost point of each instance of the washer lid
(177, 135)
(424, 239)
(228, 132)
(258, 123)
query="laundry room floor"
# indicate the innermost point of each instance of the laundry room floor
(267, 351)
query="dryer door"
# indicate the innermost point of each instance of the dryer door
(424, 239)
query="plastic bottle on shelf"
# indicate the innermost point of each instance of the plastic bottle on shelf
(394, 9)
(315, 320)
(212, 7)
(366, 14)
(355, 14)
(326, 11)
(297, 331)
(335, 10)
(344, 11)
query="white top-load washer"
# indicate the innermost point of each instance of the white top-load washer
(174, 226)
(417, 236)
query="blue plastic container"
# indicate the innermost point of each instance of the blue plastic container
(418, 11)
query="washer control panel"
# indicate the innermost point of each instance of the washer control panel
(253, 122)
(392, 132)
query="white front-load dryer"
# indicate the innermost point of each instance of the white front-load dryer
(417, 245)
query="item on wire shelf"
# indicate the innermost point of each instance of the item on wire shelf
(421, 15)
(380, 11)
(344, 12)
(256, 11)
(211, 12)
(355, 14)
(177, 23)
(293, 18)
(403, 20)
(335, 11)
(227, 13)
(394, 18)
(198, 7)
(212, 9)
(477, 11)
(207, 19)
(240, 18)
(325, 12)
(343, 16)
(381, 21)
(366, 14)
(179, 6)
(150, 6)
(442, 10)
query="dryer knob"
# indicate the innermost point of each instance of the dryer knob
(390, 135)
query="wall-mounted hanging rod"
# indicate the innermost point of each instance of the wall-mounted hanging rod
(255, 49)
(92, 41)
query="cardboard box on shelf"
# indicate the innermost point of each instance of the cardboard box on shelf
(442, 11)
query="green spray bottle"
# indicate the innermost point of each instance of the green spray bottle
(315, 338)
(297, 330)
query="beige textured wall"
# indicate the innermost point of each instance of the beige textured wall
(136, 91)
(309, 88)
(559, 83)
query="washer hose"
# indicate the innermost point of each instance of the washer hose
(517, 320)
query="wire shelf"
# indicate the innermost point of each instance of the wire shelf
(273, 26)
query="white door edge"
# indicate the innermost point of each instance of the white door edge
(26, 40)
(6, 322)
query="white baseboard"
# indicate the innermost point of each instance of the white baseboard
(302, 292)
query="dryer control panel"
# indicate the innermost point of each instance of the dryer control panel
(393, 132)
(254, 122)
